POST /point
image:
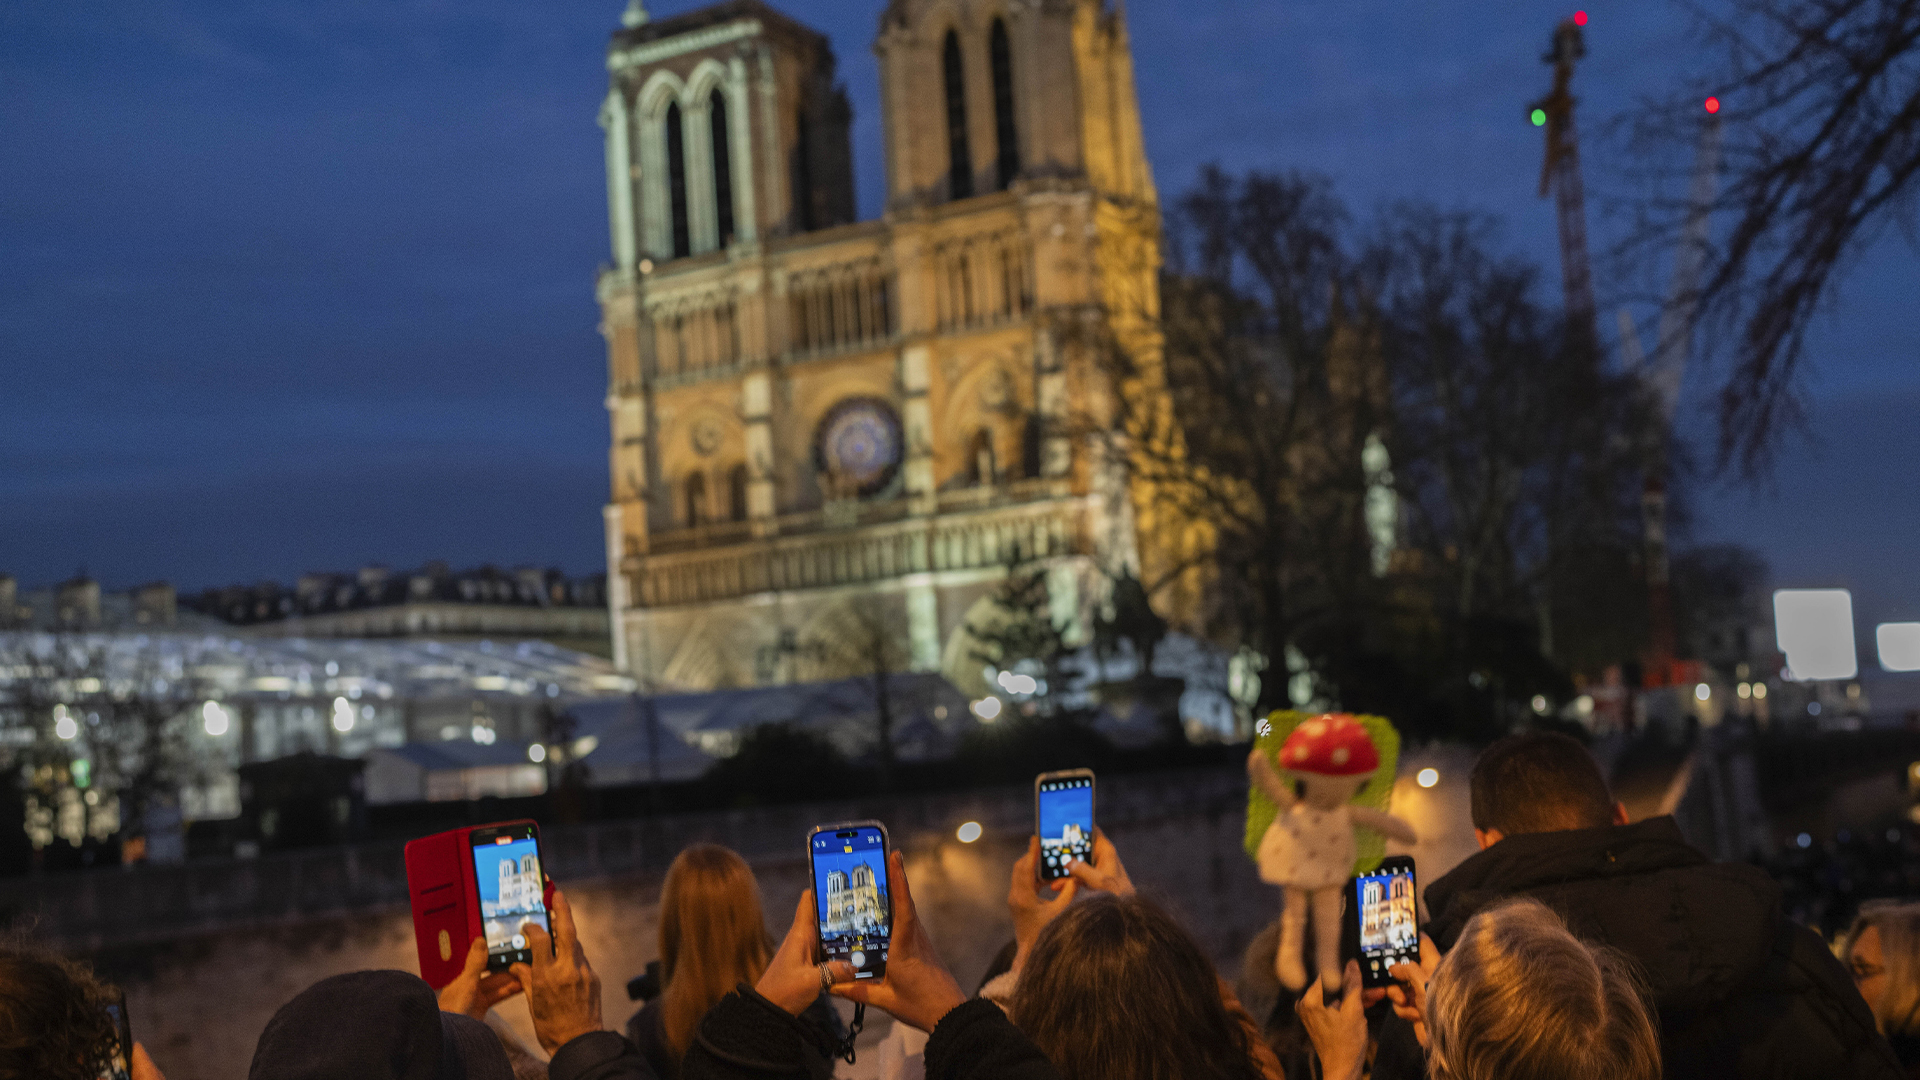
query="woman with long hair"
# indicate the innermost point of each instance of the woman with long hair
(713, 938)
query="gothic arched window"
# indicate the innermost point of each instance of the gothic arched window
(1007, 165)
(677, 183)
(722, 166)
(737, 493)
(696, 500)
(959, 158)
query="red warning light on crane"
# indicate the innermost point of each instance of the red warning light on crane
(1713, 104)
(1579, 18)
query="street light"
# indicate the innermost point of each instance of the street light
(1427, 777)
(969, 832)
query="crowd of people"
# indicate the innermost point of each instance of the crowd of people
(1576, 943)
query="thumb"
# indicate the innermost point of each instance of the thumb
(476, 959)
(1066, 889)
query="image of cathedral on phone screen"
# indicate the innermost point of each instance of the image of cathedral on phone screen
(1066, 824)
(510, 892)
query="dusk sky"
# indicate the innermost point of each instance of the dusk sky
(300, 286)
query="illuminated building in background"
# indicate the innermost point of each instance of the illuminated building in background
(811, 413)
(855, 901)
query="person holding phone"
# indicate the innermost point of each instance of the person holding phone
(756, 1032)
(59, 1022)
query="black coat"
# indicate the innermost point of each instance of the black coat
(644, 1030)
(747, 1037)
(1742, 991)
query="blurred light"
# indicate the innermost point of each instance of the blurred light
(1540, 704)
(1899, 644)
(1579, 18)
(1759, 691)
(215, 718)
(1583, 705)
(64, 725)
(1713, 104)
(969, 832)
(1813, 708)
(82, 772)
(483, 735)
(1745, 691)
(584, 746)
(987, 708)
(343, 715)
(536, 753)
(1803, 840)
(1814, 627)
(1703, 692)
(1427, 777)
(1539, 117)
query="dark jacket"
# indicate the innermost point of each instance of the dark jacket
(1742, 991)
(644, 1030)
(747, 1037)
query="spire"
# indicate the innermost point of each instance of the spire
(635, 15)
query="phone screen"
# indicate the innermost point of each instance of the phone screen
(850, 897)
(120, 1065)
(506, 868)
(1066, 824)
(1389, 930)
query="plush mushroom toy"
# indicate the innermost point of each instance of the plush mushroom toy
(1309, 849)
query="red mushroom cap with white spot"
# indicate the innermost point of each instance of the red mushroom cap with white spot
(1332, 744)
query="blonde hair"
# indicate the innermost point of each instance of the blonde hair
(712, 937)
(1899, 926)
(1520, 998)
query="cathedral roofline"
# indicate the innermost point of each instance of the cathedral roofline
(715, 15)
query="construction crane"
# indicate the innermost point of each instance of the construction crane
(1560, 175)
(1662, 378)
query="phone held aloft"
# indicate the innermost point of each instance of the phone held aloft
(1063, 820)
(120, 1065)
(852, 896)
(483, 881)
(1387, 916)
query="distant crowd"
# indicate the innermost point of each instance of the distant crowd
(1576, 943)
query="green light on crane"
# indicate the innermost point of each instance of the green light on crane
(1539, 118)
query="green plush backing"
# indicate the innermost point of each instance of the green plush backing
(1369, 846)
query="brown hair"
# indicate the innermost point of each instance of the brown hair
(1537, 783)
(1520, 998)
(1116, 990)
(53, 1016)
(712, 937)
(1899, 926)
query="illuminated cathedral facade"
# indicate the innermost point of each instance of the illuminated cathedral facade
(855, 901)
(811, 412)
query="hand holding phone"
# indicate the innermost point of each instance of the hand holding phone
(918, 990)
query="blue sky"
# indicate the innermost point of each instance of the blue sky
(296, 286)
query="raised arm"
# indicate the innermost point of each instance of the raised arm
(1384, 823)
(1262, 773)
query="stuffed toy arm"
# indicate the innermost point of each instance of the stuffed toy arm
(1262, 773)
(1384, 823)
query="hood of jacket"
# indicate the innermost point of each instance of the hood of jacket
(1698, 930)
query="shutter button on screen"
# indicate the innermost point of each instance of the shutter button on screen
(858, 959)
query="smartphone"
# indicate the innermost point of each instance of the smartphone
(852, 904)
(1063, 817)
(445, 873)
(511, 885)
(120, 1065)
(1387, 919)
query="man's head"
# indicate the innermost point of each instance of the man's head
(1538, 783)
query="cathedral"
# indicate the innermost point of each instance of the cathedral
(821, 424)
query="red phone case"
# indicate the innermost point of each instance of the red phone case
(445, 899)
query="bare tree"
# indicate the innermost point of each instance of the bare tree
(867, 639)
(1821, 101)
